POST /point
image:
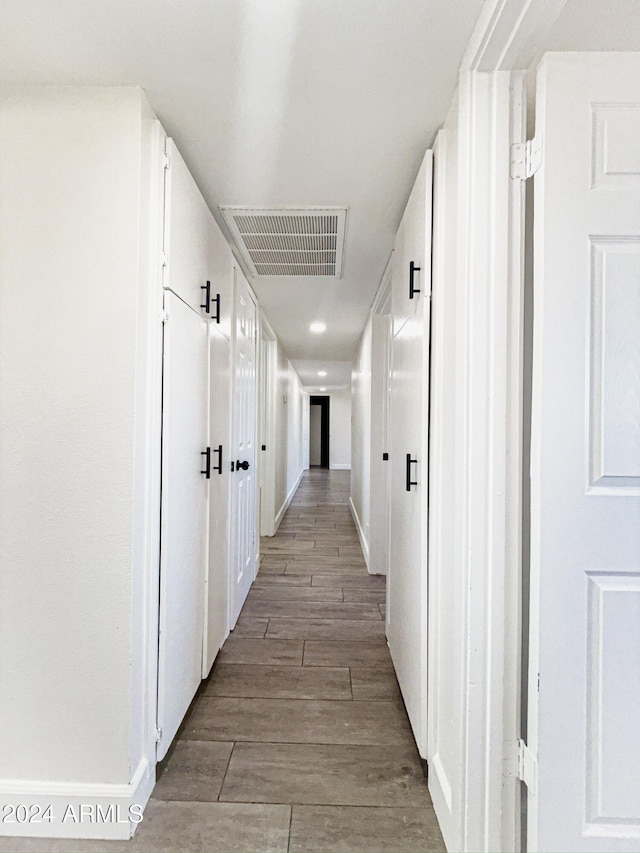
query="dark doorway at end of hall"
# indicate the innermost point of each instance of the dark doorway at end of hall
(319, 432)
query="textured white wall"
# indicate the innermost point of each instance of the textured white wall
(361, 433)
(69, 184)
(340, 429)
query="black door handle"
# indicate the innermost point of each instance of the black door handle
(216, 316)
(207, 297)
(242, 465)
(218, 467)
(410, 462)
(208, 300)
(413, 269)
(207, 463)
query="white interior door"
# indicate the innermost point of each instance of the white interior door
(243, 460)
(380, 367)
(217, 577)
(585, 462)
(406, 615)
(184, 514)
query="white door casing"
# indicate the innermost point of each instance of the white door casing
(244, 494)
(406, 615)
(217, 577)
(584, 680)
(184, 514)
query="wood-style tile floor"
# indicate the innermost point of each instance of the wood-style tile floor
(298, 740)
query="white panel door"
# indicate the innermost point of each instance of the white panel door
(184, 514)
(406, 615)
(199, 262)
(243, 449)
(584, 688)
(217, 577)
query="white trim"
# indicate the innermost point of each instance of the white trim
(66, 799)
(508, 33)
(491, 227)
(149, 438)
(361, 536)
(340, 466)
(288, 499)
(382, 300)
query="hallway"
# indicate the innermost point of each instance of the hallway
(298, 741)
(301, 720)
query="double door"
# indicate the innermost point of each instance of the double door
(406, 614)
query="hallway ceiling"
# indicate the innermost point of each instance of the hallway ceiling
(273, 103)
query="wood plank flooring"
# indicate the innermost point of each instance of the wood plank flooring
(298, 740)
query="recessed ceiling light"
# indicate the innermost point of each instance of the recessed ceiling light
(322, 373)
(322, 389)
(318, 328)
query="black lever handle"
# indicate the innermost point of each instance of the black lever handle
(207, 464)
(218, 467)
(242, 465)
(413, 269)
(410, 462)
(216, 300)
(207, 297)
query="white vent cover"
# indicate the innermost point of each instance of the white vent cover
(294, 241)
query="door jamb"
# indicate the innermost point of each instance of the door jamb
(324, 401)
(492, 114)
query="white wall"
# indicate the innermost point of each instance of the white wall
(361, 437)
(340, 429)
(71, 508)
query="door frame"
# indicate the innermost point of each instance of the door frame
(490, 283)
(325, 427)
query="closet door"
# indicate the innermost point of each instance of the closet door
(184, 514)
(217, 578)
(407, 576)
(244, 493)
(198, 260)
(410, 275)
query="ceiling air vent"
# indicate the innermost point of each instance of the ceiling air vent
(286, 242)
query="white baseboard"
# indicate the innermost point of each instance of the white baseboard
(75, 809)
(363, 539)
(285, 505)
(341, 466)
